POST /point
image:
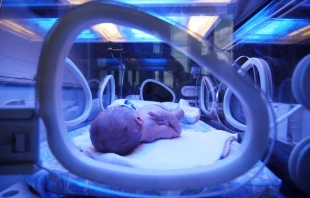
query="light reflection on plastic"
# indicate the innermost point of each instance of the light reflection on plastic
(263, 29)
(155, 60)
(201, 24)
(87, 34)
(119, 33)
(19, 30)
(33, 3)
(140, 34)
(280, 27)
(78, 2)
(304, 32)
(47, 23)
(108, 31)
(271, 30)
(158, 2)
(44, 23)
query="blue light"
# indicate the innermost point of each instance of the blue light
(306, 4)
(156, 2)
(46, 24)
(262, 29)
(32, 3)
(281, 27)
(275, 26)
(87, 34)
(139, 34)
(134, 35)
(155, 60)
(270, 30)
(176, 20)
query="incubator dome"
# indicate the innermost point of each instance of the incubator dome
(220, 86)
(258, 127)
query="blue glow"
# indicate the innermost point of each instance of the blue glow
(281, 27)
(87, 34)
(158, 2)
(134, 35)
(262, 29)
(19, 3)
(275, 26)
(306, 4)
(45, 24)
(176, 20)
(271, 30)
(155, 60)
(33, 3)
(139, 34)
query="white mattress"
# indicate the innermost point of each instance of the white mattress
(192, 149)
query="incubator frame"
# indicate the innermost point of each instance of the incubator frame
(161, 84)
(54, 51)
(102, 86)
(202, 96)
(301, 82)
(88, 105)
(265, 84)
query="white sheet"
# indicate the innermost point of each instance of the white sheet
(190, 150)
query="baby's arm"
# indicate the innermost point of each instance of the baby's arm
(170, 119)
(178, 113)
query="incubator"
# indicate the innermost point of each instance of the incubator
(239, 70)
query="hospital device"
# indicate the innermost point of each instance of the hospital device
(231, 68)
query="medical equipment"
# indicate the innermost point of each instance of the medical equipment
(266, 86)
(72, 67)
(56, 180)
(208, 98)
(299, 159)
(155, 47)
(182, 179)
(154, 90)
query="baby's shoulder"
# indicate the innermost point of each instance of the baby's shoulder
(152, 107)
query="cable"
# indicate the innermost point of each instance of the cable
(122, 69)
(287, 114)
(93, 80)
(114, 58)
(240, 57)
(216, 112)
(205, 83)
(196, 97)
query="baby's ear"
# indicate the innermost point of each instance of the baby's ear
(138, 119)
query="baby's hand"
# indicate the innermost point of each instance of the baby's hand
(161, 117)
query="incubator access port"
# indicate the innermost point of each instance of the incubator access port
(19, 140)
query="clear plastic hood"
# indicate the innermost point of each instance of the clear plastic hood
(241, 66)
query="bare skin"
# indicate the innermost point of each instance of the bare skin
(158, 123)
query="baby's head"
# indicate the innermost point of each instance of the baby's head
(115, 130)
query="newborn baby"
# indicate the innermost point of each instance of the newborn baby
(120, 129)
